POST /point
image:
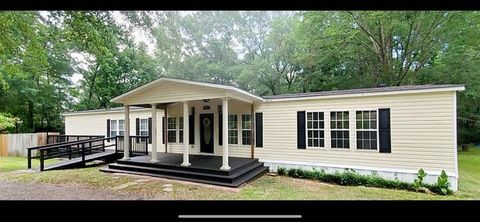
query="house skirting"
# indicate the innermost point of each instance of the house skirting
(402, 175)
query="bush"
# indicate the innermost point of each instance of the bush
(351, 178)
(418, 182)
(442, 186)
(282, 171)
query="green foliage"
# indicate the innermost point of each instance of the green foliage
(442, 186)
(262, 52)
(282, 171)
(6, 121)
(351, 178)
(418, 182)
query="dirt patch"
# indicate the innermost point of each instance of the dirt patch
(165, 180)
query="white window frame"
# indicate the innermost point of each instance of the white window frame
(113, 129)
(377, 130)
(145, 124)
(235, 129)
(246, 129)
(349, 130)
(180, 130)
(121, 132)
(172, 129)
(321, 129)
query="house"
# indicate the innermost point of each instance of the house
(392, 131)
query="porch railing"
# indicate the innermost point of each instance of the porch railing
(52, 139)
(67, 149)
(138, 145)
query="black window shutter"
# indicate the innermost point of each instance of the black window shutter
(164, 134)
(259, 129)
(385, 137)
(220, 124)
(150, 130)
(301, 130)
(191, 127)
(137, 128)
(108, 128)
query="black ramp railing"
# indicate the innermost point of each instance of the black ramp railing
(52, 139)
(67, 149)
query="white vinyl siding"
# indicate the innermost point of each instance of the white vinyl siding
(422, 134)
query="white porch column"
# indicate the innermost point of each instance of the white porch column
(154, 133)
(186, 161)
(126, 138)
(225, 165)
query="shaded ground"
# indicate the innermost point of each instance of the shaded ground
(29, 191)
(91, 180)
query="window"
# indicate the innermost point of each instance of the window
(246, 129)
(339, 129)
(172, 130)
(232, 129)
(113, 127)
(180, 129)
(315, 129)
(121, 127)
(366, 130)
(143, 128)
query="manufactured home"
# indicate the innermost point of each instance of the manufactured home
(390, 131)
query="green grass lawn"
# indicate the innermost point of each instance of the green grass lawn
(469, 172)
(8, 164)
(265, 188)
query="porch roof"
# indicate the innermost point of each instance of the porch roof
(168, 90)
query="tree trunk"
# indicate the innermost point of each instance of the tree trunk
(30, 122)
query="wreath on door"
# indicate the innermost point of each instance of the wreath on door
(206, 122)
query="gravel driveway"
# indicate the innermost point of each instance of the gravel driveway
(35, 191)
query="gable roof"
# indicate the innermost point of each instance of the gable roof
(362, 91)
(177, 80)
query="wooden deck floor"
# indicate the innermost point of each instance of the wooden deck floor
(203, 168)
(202, 162)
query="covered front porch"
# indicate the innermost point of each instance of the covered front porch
(203, 168)
(195, 121)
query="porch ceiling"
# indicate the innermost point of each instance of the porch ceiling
(167, 90)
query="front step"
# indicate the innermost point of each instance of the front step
(238, 177)
(190, 168)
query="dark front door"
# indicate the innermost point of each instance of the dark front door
(206, 133)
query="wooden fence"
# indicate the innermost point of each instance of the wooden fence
(17, 144)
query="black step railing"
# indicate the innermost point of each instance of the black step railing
(67, 149)
(52, 139)
(138, 145)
